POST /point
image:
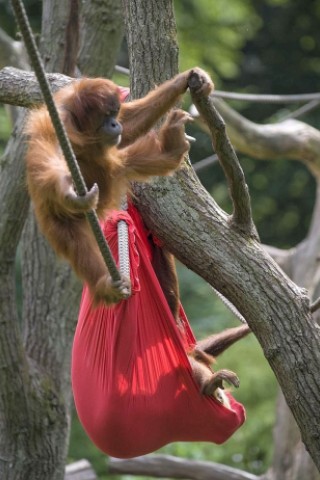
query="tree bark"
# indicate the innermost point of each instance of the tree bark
(102, 31)
(21, 88)
(151, 62)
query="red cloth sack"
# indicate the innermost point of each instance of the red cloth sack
(133, 386)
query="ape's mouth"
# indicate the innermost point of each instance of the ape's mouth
(116, 140)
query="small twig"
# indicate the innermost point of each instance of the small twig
(302, 110)
(205, 162)
(315, 305)
(241, 217)
(123, 70)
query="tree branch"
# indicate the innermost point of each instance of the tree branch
(80, 470)
(241, 217)
(282, 257)
(164, 466)
(21, 88)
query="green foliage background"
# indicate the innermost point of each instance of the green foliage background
(256, 46)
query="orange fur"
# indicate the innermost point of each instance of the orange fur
(84, 106)
(202, 357)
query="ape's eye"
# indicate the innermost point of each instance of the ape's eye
(113, 113)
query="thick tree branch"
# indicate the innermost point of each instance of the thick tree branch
(166, 466)
(283, 258)
(21, 88)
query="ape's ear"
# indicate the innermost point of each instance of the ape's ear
(124, 93)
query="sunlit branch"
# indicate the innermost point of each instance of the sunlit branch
(241, 217)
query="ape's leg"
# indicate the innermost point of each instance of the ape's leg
(74, 241)
(219, 342)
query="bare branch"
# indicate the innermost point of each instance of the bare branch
(315, 305)
(205, 162)
(241, 217)
(80, 470)
(308, 107)
(162, 466)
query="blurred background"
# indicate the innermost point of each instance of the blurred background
(247, 46)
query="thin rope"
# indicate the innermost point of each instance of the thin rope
(230, 306)
(66, 148)
(265, 98)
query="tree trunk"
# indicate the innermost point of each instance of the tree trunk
(183, 216)
(35, 360)
(151, 61)
(101, 29)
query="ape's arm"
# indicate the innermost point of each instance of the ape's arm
(138, 116)
(157, 154)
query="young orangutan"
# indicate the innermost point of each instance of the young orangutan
(113, 145)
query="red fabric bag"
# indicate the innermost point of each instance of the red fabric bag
(132, 382)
